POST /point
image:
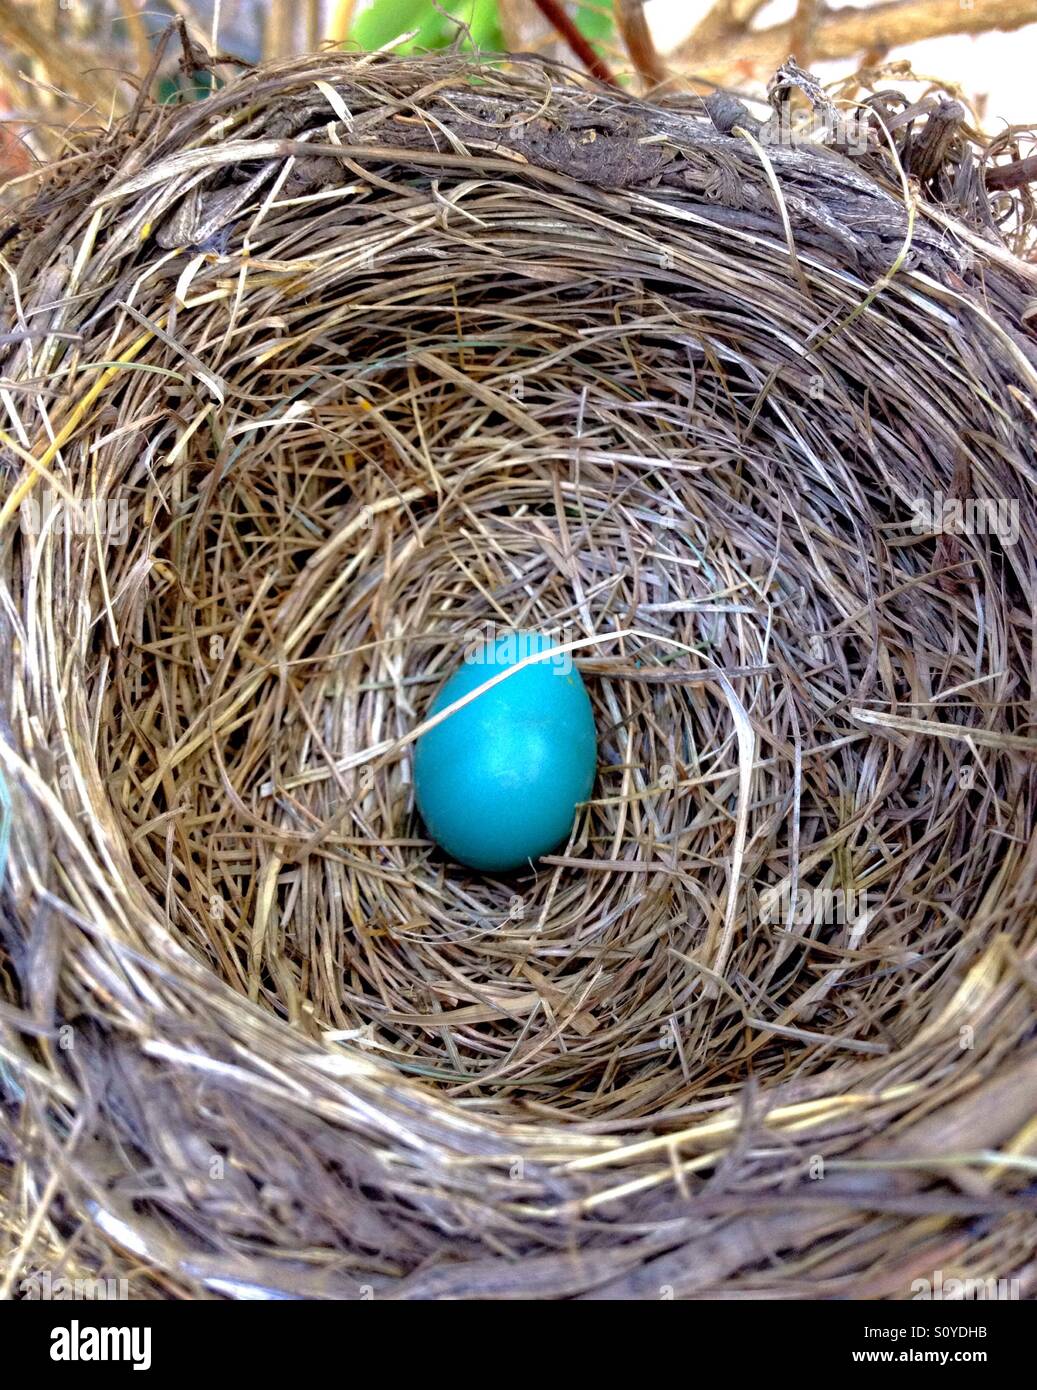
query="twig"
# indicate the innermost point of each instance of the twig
(632, 25)
(844, 32)
(144, 94)
(193, 57)
(580, 46)
(1014, 175)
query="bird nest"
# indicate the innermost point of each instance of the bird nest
(310, 384)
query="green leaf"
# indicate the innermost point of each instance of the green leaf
(385, 20)
(481, 16)
(595, 21)
(381, 22)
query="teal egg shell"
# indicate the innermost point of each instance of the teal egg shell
(498, 782)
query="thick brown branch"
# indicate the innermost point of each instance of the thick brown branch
(581, 47)
(845, 32)
(632, 25)
(1015, 175)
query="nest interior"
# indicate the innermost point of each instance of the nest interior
(309, 382)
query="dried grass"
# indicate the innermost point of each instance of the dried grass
(372, 352)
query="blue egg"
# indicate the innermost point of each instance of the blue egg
(498, 782)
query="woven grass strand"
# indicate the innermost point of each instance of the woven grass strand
(341, 365)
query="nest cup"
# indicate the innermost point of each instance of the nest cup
(309, 387)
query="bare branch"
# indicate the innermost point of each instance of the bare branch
(580, 46)
(845, 32)
(632, 25)
(1014, 175)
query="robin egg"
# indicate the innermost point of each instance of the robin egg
(498, 781)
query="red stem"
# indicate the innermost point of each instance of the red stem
(556, 16)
